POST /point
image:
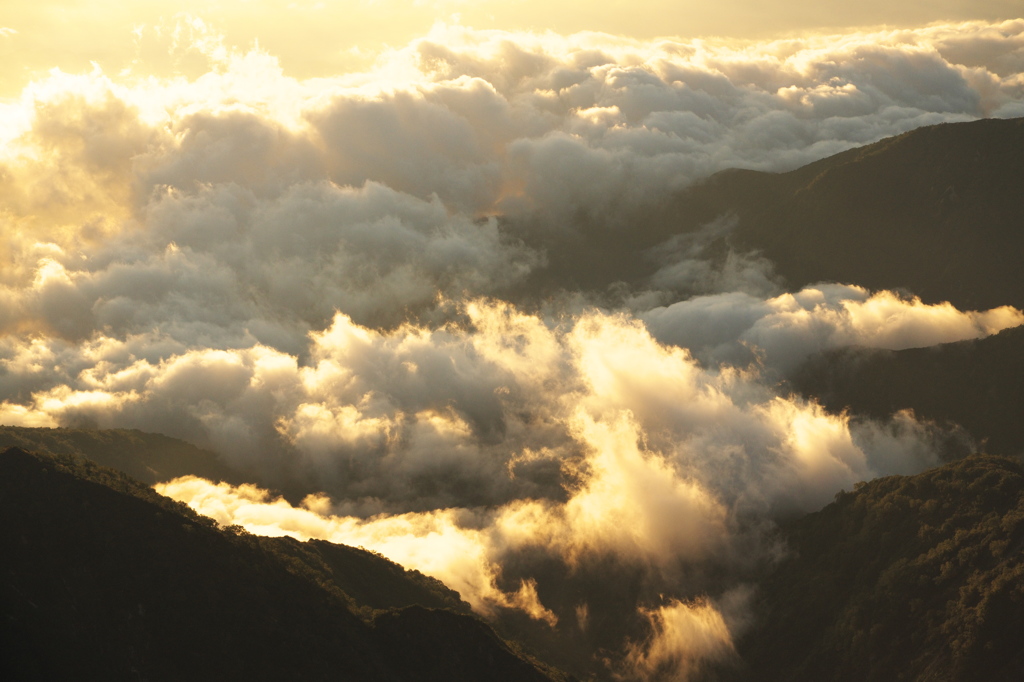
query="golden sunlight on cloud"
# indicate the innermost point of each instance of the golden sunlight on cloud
(435, 542)
(471, 404)
(627, 504)
(484, 121)
(368, 271)
(655, 453)
(790, 327)
(684, 637)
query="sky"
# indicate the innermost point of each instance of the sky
(317, 38)
(347, 259)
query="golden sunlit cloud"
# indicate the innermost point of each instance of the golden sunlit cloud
(789, 328)
(324, 251)
(685, 636)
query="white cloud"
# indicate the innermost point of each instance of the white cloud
(329, 282)
(783, 331)
(421, 417)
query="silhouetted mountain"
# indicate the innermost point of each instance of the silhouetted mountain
(907, 578)
(102, 578)
(148, 457)
(977, 384)
(936, 211)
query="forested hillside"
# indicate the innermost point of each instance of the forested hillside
(906, 578)
(102, 578)
(978, 384)
(147, 457)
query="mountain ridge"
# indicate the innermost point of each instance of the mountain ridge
(147, 457)
(907, 577)
(976, 384)
(104, 578)
(883, 215)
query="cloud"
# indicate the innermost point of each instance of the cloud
(419, 418)
(672, 520)
(578, 134)
(685, 637)
(435, 542)
(288, 199)
(784, 330)
(222, 262)
(370, 288)
(482, 453)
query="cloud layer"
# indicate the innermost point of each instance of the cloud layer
(782, 331)
(382, 180)
(357, 288)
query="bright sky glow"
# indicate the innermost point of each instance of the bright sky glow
(317, 38)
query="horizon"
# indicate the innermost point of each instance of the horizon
(316, 39)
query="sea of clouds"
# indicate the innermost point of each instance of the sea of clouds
(329, 283)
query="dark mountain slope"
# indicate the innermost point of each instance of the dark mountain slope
(978, 384)
(936, 211)
(908, 578)
(939, 212)
(101, 578)
(368, 579)
(147, 457)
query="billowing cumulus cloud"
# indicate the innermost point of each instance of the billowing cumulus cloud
(429, 173)
(663, 467)
(783, 331)
(480, 453)
(495, 409)
(366, 290)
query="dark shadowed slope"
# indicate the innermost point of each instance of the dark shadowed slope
(936, 211)
(101, 578)
(147, 457)
(908, 578)
(978, 384)
(939, 212)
